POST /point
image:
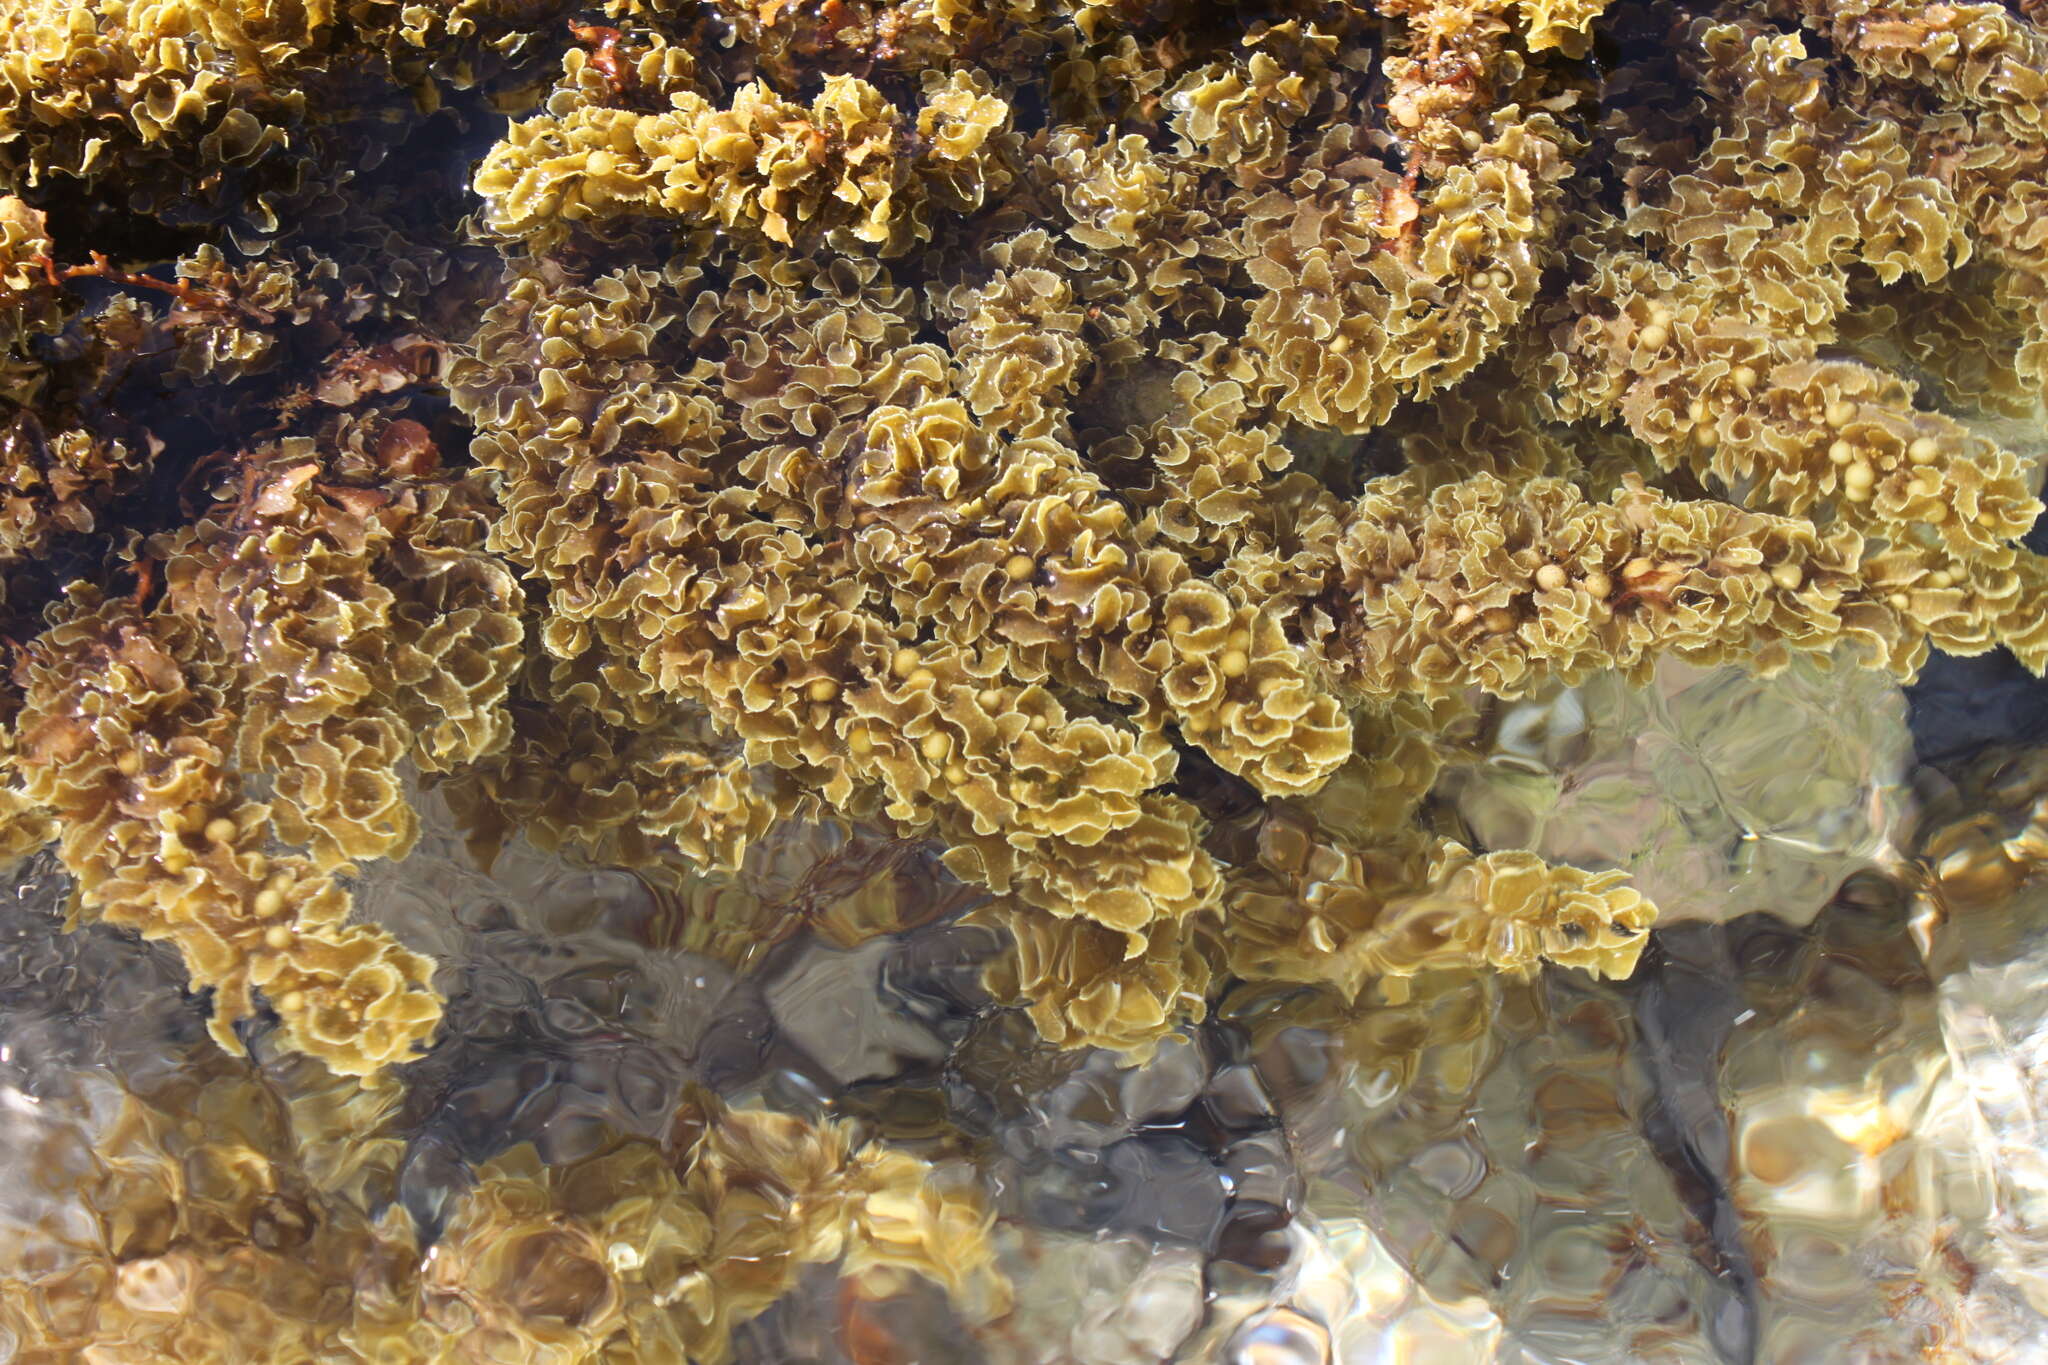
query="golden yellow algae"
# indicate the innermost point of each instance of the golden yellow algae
(1957, 336)
(191, 1222)
(1086, 985)
(645, 1251)
(31, 298)
(57, 470)
(1318, 909)
(25, 824)
(1985, 835)
(1504, 586)
(128, 738)
(1403, 743)
(52, 482)
(1802, 186)
(1351, 317)
(961, 733)
(790, 43)
(307, 634)
(1104, 445)
(1563, 24)
(834, 170)
(205, 113)
(367, 628)
(1211, 465)
(1085, 462)
(993, 590)
(617, 781)
(1018, 343)
(1237, 115)
(95, 85)
(1139, 247)
(218, 1220)
(459, 43)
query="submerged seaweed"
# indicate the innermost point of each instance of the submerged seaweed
(1103, 460)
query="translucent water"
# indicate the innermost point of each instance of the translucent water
(1811, 1128)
